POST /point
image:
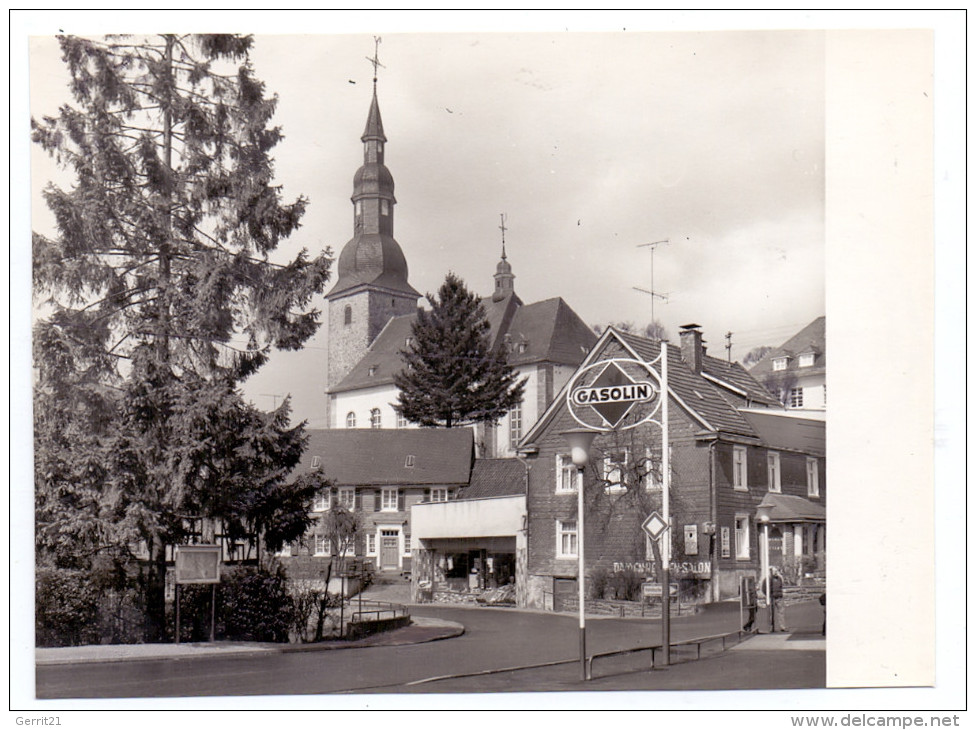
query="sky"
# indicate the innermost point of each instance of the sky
(591, 144)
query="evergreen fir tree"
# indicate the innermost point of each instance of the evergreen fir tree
(451, 375)
(160, 265)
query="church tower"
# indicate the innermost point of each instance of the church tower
(372, 282)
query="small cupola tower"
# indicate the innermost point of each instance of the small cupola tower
(504, 278)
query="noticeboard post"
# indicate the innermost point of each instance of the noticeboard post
(195, 565)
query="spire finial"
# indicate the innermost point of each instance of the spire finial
(503, 229)
(375, 60)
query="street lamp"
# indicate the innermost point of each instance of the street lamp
(580, 440)
(764, 513)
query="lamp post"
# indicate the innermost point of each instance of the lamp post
(579, 440)
(763, 516)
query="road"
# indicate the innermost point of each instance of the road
(494, 639)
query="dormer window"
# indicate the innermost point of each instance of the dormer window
(780, 363)
(408, 342)
(409, 461)
(372, 370)
(806, 359)
(523, 346)
(347, 315)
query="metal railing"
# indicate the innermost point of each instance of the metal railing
(368, 610)
(654, 648)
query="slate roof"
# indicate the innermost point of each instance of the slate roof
(700, 395)
(812, 338)
(708, 402)
(378, 456)
(550, 329)
(789, 431)
(495, 478)
(789, 508)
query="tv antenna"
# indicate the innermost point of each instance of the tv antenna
(654, 295)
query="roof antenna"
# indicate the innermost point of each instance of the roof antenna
(375, 60)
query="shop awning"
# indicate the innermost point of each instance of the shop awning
(787, 508)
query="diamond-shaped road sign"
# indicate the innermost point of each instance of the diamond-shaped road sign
(654, 526)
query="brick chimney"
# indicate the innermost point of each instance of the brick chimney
(692, 351)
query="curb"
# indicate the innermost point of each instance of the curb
(424, 629)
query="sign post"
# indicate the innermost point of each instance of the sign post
(619, 394)
(196, 564)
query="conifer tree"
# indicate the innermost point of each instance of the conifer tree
(452, 376)
(160, 297)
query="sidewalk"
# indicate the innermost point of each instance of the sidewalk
(420, 630)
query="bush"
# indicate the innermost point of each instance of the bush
(599, 581)
(66, 607)
(255, 605)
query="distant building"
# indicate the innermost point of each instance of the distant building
(796, 371)
(379, 474)
(372, 308)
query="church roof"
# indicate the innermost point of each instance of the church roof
(378, 456)
(550, 330)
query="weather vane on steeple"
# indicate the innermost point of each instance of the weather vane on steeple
(375, 60)
(503, 229)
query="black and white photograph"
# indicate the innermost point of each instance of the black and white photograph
(378, 364)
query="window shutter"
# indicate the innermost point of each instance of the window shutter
(376, 500)
(401, 500)
(358, 501)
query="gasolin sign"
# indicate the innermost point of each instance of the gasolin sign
(612, 394)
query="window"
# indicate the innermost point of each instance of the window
(614, 472)
(779, 363)
(438, 495)
(813, 478)
(806, 360)
(389, 500)
(359, 207)
(567, 475)
(406, 544)
(350, 420)
(566, 539)
(522, 347)
(408, 343)
(372, 370)
(375, 419)
(371, 543)
(515, 425)
(401, 421)
(347, 315)
(321, 545)
(323, 501)
(772, 471)
(409, 462)
(825, 394)
(742, 537)
(347, 498)
(739, 471)
(653, 474)
(796, 397)
(384, 207)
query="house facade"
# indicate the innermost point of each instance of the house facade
(378, 475)
(727, 456)
(372, 308)
(796, 371)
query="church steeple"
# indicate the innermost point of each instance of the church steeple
(372, 257)
(504, 278)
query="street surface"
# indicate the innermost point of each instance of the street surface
(494, 639)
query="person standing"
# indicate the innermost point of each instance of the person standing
(774, 596)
